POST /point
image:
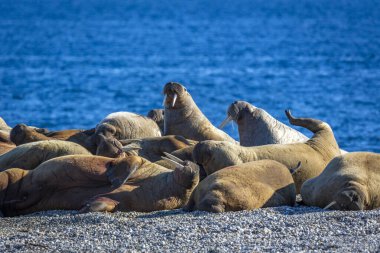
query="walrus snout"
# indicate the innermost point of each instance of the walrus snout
(120, 170)
(172, 91)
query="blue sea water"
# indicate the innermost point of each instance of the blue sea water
(67, 64)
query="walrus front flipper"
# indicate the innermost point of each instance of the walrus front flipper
(99, 204)
(313, 125)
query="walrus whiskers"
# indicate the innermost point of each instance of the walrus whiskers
(180, 166)
(329, 205)
(174, 158)
(225, 122)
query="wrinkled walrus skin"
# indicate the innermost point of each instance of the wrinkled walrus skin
(186, 119)
(352, 181)
(95, 183)
(28, 156)
(127, 125)
(247, 186)
(313, 154)
(153, 148)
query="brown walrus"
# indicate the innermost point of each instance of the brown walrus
(314, 154)
(22, 134)
(349, 182)
(127, 125)
(158, 116)
(183, 117)
(247, 186)
(153, 148)
(6, 147)
(28, 156)
(95, 183)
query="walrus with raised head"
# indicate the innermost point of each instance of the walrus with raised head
(28, 156)
(183, 117)
(349, 182)
(94, 183)
(158, 116)
(314, 154)
(153, 148)
(257, 127)
(127, 125)
(247, 186)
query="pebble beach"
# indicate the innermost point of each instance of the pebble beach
(280, 229)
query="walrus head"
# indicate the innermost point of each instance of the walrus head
(236, 111)
(108, 146)
(174, 94)
(157, 115)
(21, 134)
(105, 129)
(349, 199)
(121, 169)
(215, 155)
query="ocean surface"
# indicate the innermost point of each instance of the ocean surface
(67, 64)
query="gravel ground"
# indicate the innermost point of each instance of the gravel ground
(271, 230)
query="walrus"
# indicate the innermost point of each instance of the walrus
(28, 156)
(21, 134)
(5, 137)
(6, 147)
(257, 127)
(314, 154)
(127, 125)
(183, 117)
(349, 182)
(95, 183)
(158, 116)
(248, 186)
(3, 125)
(153, 148)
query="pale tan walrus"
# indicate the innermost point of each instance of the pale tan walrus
(6, 147)
(313, 154)
(4, 126)
(247, 186)
(94, 183)
(127, 125)
(349, 182)
(257, 127)
(183, 117)
(28, 156)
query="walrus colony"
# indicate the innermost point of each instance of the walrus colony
(175, 158)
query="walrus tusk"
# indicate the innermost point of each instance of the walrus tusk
(174, 99)
(163, 102)
(329, 205)
(174, 158)
(132, 146)
(225, 122)
(294, 170)
(173, 162)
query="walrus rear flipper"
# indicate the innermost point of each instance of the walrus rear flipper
(313, 125)
(99, 204)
